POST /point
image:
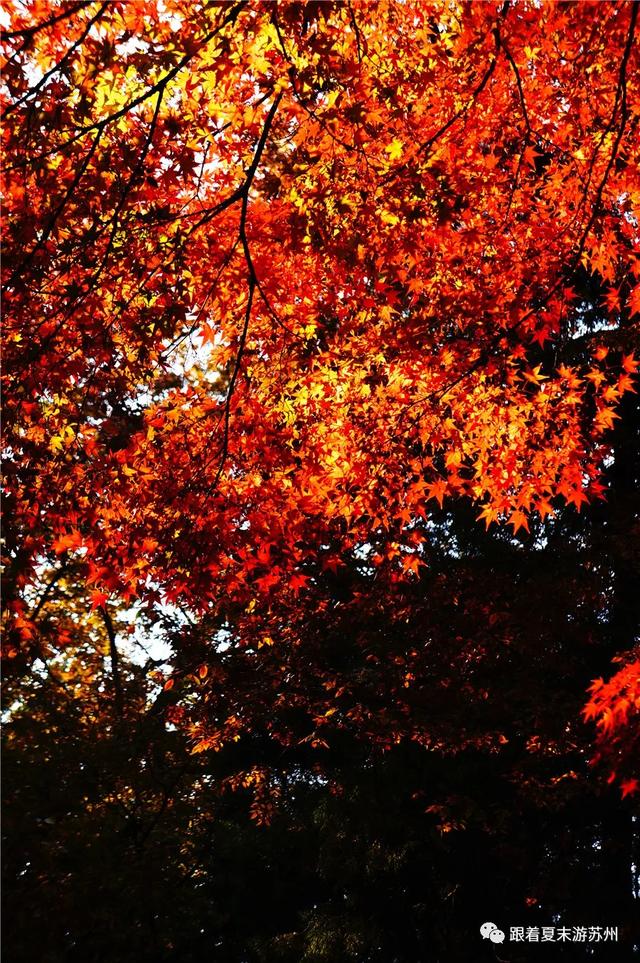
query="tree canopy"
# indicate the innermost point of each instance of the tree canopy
(320, 336)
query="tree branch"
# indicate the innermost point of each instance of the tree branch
(115, 660)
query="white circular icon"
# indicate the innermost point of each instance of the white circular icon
(496, 936)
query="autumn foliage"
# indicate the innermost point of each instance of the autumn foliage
(615, 705)
(288, 288)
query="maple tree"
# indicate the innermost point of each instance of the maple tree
(108, 814)
(289, 289)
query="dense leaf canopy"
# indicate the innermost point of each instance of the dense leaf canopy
(319, 351)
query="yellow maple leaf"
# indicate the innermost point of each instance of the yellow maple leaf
(395, 149)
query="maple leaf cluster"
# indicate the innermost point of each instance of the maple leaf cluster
(282, 280)
(615, 706)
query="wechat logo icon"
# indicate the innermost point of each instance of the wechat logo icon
(489, 931)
